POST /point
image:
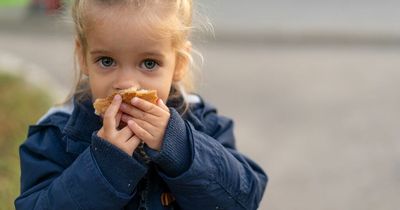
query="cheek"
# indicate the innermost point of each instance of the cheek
(162, 86)
(164, 95)
(162, 91)
(95, 89)
(99, 86)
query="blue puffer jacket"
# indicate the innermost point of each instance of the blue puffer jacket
(66, 166)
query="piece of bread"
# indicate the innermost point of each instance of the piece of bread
(101, 104)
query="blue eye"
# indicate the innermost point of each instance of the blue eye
(149, 64)
(106, 62)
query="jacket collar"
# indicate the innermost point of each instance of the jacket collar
(83, 121)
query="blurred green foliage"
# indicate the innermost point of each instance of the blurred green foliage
(8, 3)
(20, 105)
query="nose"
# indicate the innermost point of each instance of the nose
(126, 78)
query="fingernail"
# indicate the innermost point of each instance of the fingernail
(123, 106)
(134, 100)
(117, 97)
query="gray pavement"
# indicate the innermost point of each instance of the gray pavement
(322, 119)
(298, 16)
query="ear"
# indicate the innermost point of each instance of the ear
(182, 63)
(80, 56)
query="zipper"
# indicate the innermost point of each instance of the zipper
(143, 154)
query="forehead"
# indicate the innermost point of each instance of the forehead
(126, 27)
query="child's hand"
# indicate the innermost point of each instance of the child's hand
(124, 138)
(147, 121)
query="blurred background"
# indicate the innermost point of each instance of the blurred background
(311, 84)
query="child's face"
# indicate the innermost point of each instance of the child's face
(120, 55)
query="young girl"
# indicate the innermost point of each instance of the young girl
(177, 154)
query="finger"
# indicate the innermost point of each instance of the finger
(147, 106)
(100, 133)
(125, 133)
(130, 145)
(118, 118)
(139, 131)
(161, 104)
(144, 124)
(134, 142)
(110, 114)
(137, 113)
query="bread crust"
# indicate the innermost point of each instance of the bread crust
(101, 104)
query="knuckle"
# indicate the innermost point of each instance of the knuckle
(107, 119)
(143, 116)
(141, 133)
(137, 130)
(151, 109)
(108, 114)
(107, 136)
(136, 138)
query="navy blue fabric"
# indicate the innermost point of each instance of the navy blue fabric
(64, 165)
(175, 155)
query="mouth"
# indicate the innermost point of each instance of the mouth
(120, 91)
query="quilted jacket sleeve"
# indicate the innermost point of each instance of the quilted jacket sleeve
(51, 180)
(217, 176)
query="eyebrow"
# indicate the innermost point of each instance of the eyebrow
(150, 53)
(154, 53)
(99, 52)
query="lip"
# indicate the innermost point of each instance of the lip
(122, 90)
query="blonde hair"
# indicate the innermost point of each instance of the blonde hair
(176, 26)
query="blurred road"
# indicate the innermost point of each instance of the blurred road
(322, 119)
(299, 16)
